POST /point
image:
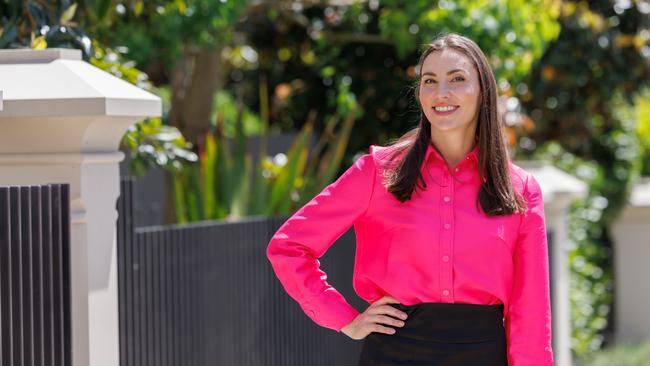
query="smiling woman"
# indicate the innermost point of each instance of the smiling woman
(450, 100)
(451, 240)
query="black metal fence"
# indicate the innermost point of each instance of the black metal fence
(35, 276)
(205, 294)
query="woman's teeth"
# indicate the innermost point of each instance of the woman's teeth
(445, 109)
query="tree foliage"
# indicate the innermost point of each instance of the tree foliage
(371, 49)
(157, 33)
(40, 24)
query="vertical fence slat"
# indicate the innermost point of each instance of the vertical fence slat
(169, 309)
(184, 296)
(121, 279)
(37, 258)
(48, 280)
(160, 244)
(16, 278)
(191, 247)
(142, 301)
(57, 275)
(26, 273)
(155, 301)
(165, 299)
(129, 273)
(66, 312)
(138, 335)
(6, 330)
(149, 301)
(178, 331)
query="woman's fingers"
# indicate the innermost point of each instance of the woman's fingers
(378, 317)
(382, 329)
(388, 310)
(385, 300)
(383, 319)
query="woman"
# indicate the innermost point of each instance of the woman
(451, 240)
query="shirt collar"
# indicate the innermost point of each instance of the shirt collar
(472, 155)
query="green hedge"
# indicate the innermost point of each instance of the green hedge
(622, 355)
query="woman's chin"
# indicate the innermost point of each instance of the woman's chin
(445, 124)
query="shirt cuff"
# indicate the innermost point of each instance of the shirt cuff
(330, 310)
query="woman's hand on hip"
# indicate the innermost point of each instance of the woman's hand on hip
(375, 318)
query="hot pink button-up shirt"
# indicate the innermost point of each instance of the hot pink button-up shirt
(436, 247)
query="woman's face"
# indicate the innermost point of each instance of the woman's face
(449, 91)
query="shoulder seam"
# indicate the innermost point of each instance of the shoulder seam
(526, 193)
(372, 186)
(526, 185)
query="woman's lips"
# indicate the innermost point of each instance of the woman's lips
(445, 113)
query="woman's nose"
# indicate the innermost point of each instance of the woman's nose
(442, 90)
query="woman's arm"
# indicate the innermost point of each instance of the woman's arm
(296, 246)
(528, 324)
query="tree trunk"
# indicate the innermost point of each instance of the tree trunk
(194, 80)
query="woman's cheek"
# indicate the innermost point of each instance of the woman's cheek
(424, 97)
(424, 91)
(470, 91)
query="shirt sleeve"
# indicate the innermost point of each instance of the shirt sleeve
(528, 323)
(296, 246)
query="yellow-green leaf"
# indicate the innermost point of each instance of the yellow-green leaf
(139, 6)
(68, 14)
(39, 43)
(180, 4)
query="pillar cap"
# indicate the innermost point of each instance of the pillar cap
(28, 55)
(53, 102)
(56, 82)
(640, 195)
(554, 182)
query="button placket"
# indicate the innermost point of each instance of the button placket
(445, 179)
(446, 238)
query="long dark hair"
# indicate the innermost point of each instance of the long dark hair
(496, 195)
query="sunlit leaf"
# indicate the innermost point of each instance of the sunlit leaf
(68, 14)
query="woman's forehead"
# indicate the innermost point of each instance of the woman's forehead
(441, 62)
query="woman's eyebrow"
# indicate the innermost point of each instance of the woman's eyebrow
(448, 73)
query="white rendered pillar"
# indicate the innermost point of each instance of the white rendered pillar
(557, 215)
(631, 236)
(61, 122)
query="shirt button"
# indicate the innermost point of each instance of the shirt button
(447, 226)
(311, 312)
(445, 292)
(456, 169)
(446, 199)
(445, 258)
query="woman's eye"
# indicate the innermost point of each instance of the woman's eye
(427, 81)
(459, 78)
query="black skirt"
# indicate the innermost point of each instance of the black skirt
(441, 334)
